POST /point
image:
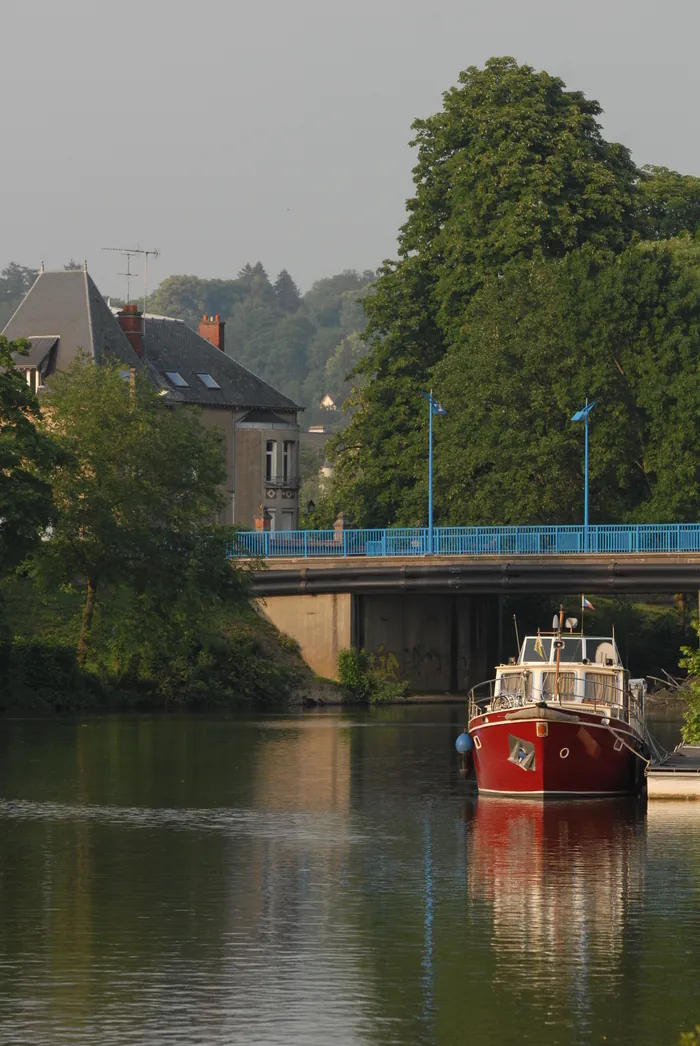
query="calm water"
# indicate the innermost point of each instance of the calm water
(327, 879)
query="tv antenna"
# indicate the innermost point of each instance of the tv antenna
(129, 253)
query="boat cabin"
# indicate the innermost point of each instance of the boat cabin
(590, 670)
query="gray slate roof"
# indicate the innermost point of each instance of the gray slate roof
(40, 349)
(170, 345)
(66, 307)
(67, 304)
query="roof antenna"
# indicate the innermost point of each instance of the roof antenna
(129, 253)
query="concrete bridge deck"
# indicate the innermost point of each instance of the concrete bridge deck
(612, 574)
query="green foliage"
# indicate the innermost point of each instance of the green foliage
(15, 281)
(690, 660)
(370, 677)
(521, 288)
(690, 1038)
(26, 457)
(668, 203)
(135, 502)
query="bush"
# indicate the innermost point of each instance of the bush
(691, 692)
(370, 677)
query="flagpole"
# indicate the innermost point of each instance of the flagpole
(430, 474)
(583, 610)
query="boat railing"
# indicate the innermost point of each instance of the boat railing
(620, 704)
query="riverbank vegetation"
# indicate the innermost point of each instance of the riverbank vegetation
(117, 589)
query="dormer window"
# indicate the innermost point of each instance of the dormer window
(176, 379)
(206, 379)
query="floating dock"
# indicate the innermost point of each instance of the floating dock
(678, 777)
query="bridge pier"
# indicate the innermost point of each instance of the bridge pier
(442, 643)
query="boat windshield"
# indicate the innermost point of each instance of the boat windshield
(537, 649)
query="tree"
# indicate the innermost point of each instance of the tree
(514, 167)
(27, 456)
(136, 503)
(623, 330)
(15, 281)
(668, 203)
(288, 296)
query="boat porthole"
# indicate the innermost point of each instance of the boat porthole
(564, 753)
(477, 742)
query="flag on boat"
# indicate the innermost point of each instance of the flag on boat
(586, 604)
(539, 649)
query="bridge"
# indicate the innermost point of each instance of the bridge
(436, 611)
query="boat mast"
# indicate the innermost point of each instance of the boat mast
(558, 643)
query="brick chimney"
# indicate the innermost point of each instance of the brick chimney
(131, 322)
(212, 328)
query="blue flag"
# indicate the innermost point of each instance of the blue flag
(437, 408)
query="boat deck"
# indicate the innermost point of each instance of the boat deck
(678, 777)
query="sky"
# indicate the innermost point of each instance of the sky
(222, 132)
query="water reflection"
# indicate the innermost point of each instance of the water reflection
(558, 878)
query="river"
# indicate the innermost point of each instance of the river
(327, 878)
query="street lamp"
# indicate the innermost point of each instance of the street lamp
(582, 415)
(433, 408)
(311, 505)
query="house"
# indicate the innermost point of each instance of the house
(64, 313)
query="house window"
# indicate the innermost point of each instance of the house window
(176, 379)
(287, 520)
(32, 376)
(206, 379)
(287, 460)
(270, 459)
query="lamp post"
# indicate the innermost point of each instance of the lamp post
(433, 408)
(582, 415)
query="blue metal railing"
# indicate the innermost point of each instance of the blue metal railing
(470, 541)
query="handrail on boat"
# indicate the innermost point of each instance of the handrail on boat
(622, 704)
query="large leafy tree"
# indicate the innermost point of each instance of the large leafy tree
(623, 330)
(27, 456)
(137, 500)
(513, 171)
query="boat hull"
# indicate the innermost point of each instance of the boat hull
(545, 753)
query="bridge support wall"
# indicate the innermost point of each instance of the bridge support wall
(322, 625)
(441, 643)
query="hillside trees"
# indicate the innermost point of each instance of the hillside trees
(508, 272)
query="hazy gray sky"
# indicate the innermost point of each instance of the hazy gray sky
(226, 131)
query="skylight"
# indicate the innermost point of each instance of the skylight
(177, 379)
(207, 380)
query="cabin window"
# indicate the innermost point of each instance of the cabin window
(567, 685)
(601, 688)
(513, 683)
(572, 649)
(530, 654)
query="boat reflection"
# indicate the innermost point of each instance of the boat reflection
(558, 878)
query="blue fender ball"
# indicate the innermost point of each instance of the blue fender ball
(464, 743)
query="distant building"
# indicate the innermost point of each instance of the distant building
(64, 313)
(328, 403)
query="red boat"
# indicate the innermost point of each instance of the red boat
(563, 719)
